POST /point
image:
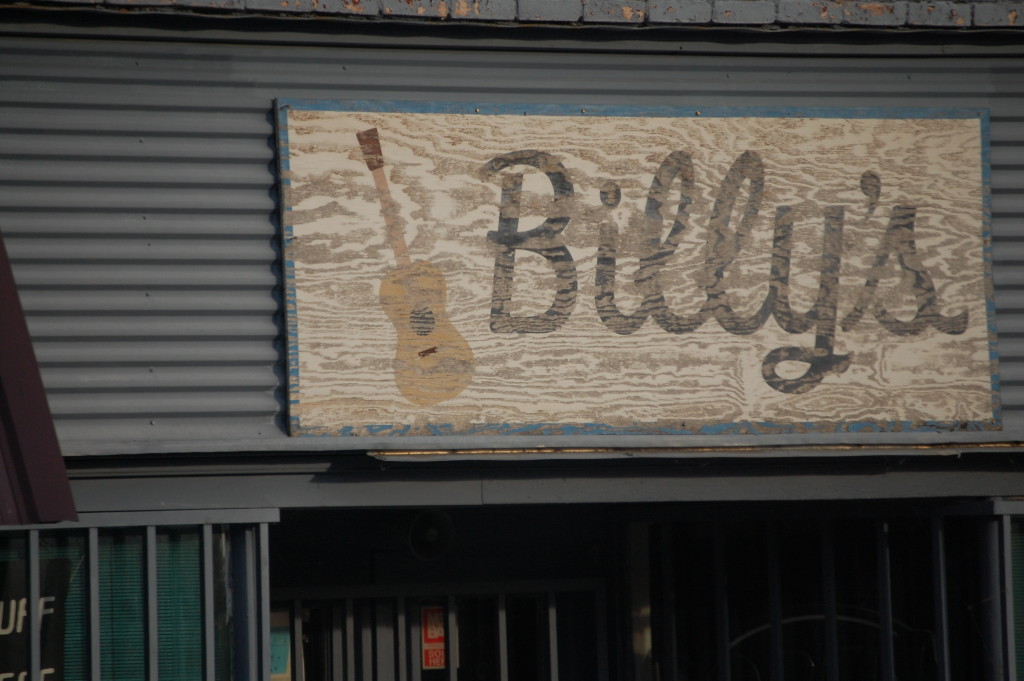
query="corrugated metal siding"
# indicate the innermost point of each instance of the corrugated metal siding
(137, 199)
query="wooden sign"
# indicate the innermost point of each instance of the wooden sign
(459, 269)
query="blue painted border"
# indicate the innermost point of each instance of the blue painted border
(569, 429)
(288, 268)
(738, 428)
(506, 109)
(990, 304)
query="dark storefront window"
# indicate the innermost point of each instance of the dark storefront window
(822, 599)
(688, 593)
(505, 634)
(1017, 562)
(63, 648)
(181, 603)
(63, 559)
(14, 656)
(122, 606)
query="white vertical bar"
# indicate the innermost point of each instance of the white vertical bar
(152, 617)
(338, 642)
(94, 604)
(209, 640)
(417, 641)
(553, 635)
(639, 566)
(453, 640)
(502, 639)
(299, 652)
(350, 640)
(35, 621)
(403, 642)
(263, 601)
(939, 596)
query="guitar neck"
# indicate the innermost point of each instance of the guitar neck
(369, 142)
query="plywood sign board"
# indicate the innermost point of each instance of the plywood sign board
(461, 269)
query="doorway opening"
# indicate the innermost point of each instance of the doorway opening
(494, 594)
(482, 633)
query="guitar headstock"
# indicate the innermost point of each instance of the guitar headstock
(369, 142)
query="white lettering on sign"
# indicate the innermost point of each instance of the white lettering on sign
(548, 274)
(12, 616)
(16, 629)
(14, 612)
(433, 636)
(23, 675)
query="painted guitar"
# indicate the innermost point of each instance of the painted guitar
(433, 361)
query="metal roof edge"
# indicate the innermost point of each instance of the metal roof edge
(507, 15)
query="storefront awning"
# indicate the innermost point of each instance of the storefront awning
(34, 485)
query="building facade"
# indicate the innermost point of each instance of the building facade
(150, 187)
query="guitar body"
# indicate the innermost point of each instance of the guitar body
(433, 362)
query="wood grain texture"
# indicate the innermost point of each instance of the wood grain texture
(530, 218)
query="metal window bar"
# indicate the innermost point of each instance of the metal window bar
(152, 616)
(263, 600)
(251, 589)
(416, 636)
(775, 603)
(209, 640)
(251, 616)
(453, 639)
(339, 652)
(668, 670)
(242, 574)
(379, 635)
(722, 604)
(298, 653)
(552, 635)
(365, 641)
(502, 638)
(403, 643)
(939, 596)
(384, 639)
(35, 621)
(991, 611)
(885, 630)
(1006, 564)
(350, 640)
(638, 565)
(829, 591)
(93, 552)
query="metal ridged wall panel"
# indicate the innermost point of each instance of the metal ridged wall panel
(137, 199)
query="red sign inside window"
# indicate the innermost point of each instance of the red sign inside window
(432, 634)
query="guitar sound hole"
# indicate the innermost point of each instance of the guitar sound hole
(421, 320)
